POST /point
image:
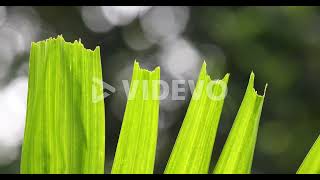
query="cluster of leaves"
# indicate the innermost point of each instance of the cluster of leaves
(65, 129)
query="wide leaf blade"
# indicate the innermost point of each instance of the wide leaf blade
(65, 129)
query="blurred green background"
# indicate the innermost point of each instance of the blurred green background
(280, 44)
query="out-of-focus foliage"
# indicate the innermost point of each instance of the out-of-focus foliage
(280, 44)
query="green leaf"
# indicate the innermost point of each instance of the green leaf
(135, 153)
(65, 129)
(237, 153)
(311, 163)
(193, 148)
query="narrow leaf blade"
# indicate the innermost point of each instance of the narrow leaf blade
(311, 163)
(193, 147)
(135, 153)
(237, 153)
(65, 130)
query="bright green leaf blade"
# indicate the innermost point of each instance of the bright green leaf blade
(311, 163)
(65, 129)
(136, 147)
(237, 153)
(193, 148)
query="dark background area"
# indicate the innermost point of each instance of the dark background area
(280, 44)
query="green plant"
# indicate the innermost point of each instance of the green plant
(237, 154)
(65, 130)
(193, 147)
(311, 163)
(138, 138)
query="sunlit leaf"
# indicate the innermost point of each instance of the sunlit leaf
(65, 129)
(138, 137)
(311, 163)
(237, 153)
(193, 148)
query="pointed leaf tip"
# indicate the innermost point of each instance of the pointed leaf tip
(265, 89)
(237, 153)
(193, 147)
(226, 77)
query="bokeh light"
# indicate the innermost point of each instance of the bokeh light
(3, 14)
(94, 19)
(13, 111)
(180, 58)
(123, 15)
(162, 23)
